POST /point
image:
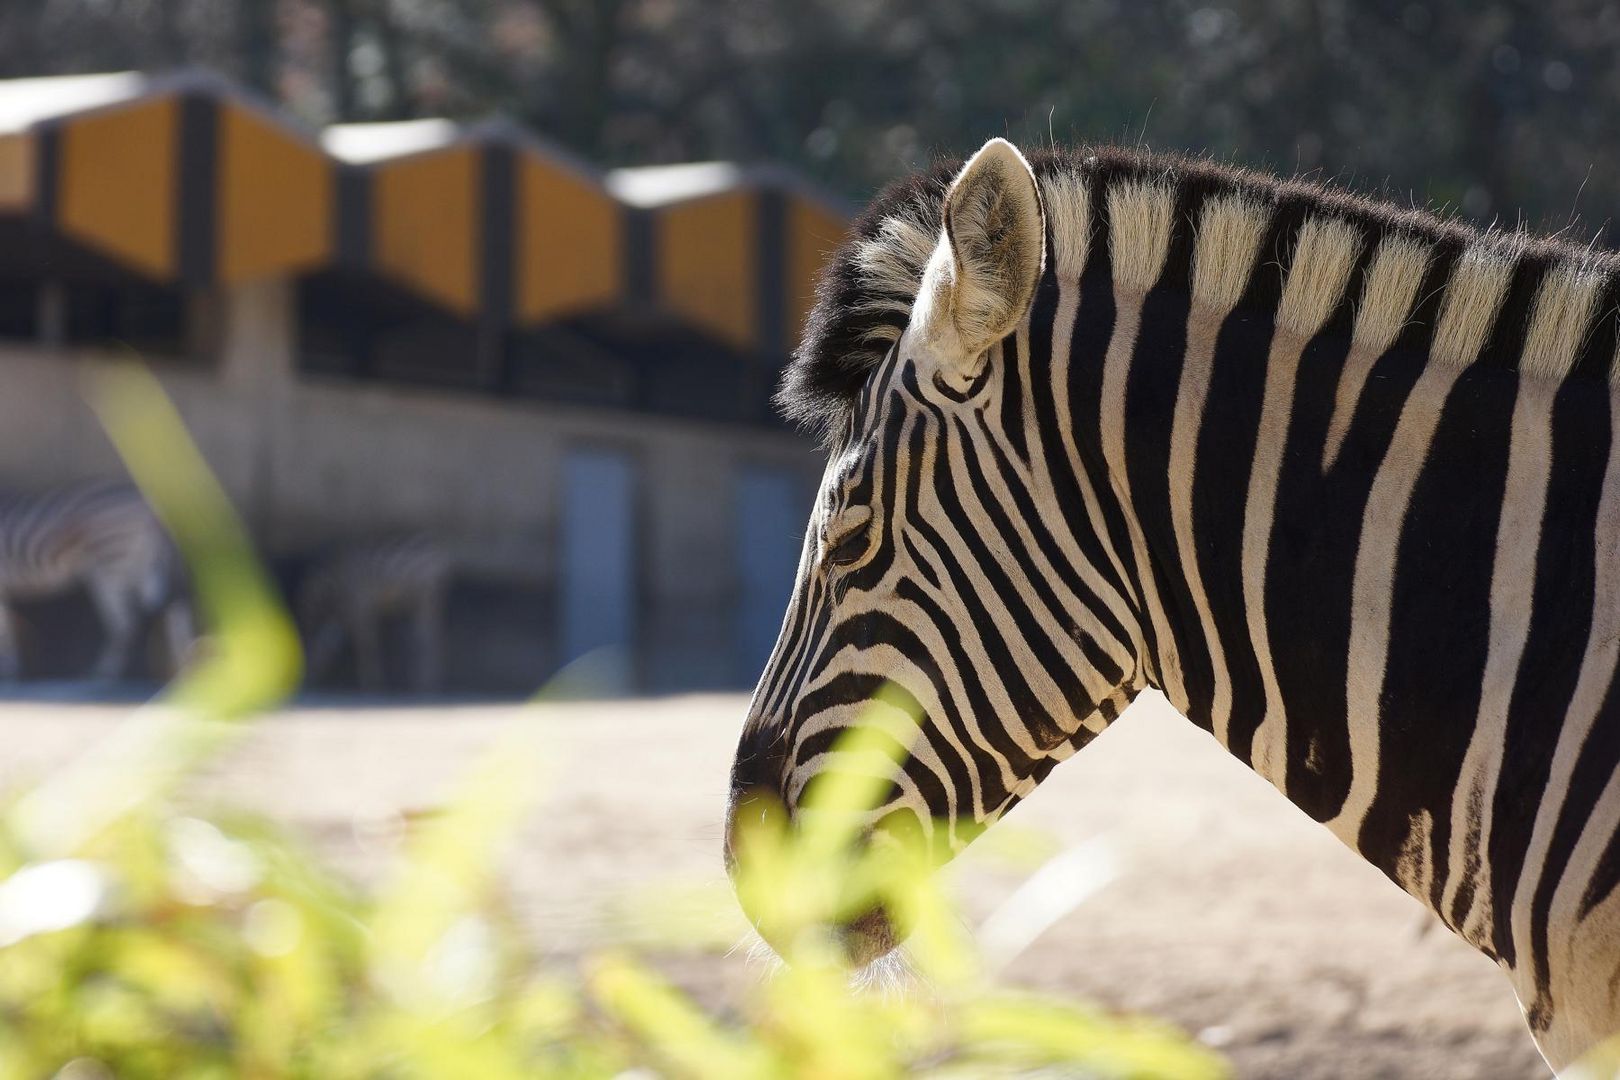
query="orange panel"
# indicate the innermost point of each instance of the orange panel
(116, 185)
(425, 225)
(813, 233)
(569, 250)
(706, 273)
(275, 199)
(17, 163)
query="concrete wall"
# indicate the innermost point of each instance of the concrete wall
(309, 460)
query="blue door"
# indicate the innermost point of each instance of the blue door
(598, 564)
(771, 513)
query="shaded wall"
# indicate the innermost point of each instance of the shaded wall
(308, 460)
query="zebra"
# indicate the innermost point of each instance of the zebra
(1340, 479)
(351, 589)
(103, 536)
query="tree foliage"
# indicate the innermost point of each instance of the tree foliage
(1491, 108)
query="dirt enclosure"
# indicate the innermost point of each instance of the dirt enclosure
(1227, 912)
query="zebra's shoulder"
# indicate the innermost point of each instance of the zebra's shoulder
(1308, 251)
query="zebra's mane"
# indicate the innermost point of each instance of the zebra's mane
(1311, 255)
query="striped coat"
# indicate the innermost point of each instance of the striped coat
(352, 589)
(101, 536)
(1341, 480)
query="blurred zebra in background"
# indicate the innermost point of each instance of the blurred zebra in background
(351, 590)
(101, 536)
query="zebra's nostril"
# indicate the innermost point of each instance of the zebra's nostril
(762, 761)
(758, 777)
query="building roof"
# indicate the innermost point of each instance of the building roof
(25, 102)
(659, 185)
(362, 144)
(188, 178)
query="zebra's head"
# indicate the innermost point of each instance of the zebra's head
(938, 593)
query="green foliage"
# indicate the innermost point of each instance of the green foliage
(1602, 1062)
(139, 941)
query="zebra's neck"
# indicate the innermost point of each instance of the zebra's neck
(1377, 564)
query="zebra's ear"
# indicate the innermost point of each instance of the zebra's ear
(983, 275)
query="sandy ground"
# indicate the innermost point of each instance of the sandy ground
(1230, 913)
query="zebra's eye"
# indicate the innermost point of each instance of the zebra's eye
(849, 537)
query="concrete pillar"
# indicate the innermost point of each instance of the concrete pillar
(258, 338)
(52, 313)
(257, 366)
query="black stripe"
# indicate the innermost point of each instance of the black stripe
(962, 714)
(1418, 333)
(815, 618)
(1093, 328)
(924, 428)
(1596, 357)
(1013, 393)
(1594, 768)
(1310, 568)
(1065, 484)
(1034, 536)
(1440, 620)
(1605, 878)
(849, 687)
(981, 537)
(935, 791)
(1505, 343)
(1019, 535)
(1225, 452)
(1596, 764)
(1560, 620)
(999, 661)
(1151, 390)
(1311, 551)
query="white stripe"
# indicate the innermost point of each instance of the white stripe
(1591, 686)
(1116, 370)
(1373, 590)
(1191, 397)
(1063, 324)
(1513, 576)
(1269, 752)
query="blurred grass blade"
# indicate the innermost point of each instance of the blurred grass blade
(858, 773)
(678, 1033)
(49, 896)
(938, 945)
(1009, 1027)
(449, 864)
(1046, 896)
(253, 659)
(1602, 1062)
(176, 947)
